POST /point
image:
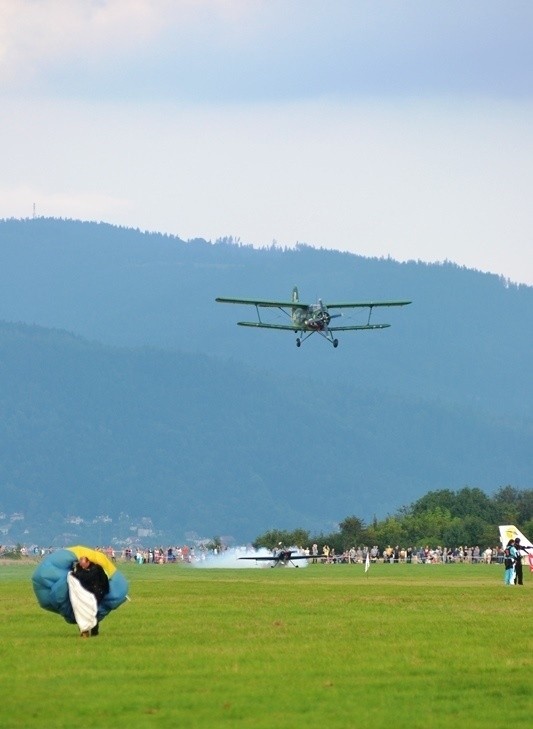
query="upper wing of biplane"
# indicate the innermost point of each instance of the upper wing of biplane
(301, 304)
(260, 302)
(364, 304)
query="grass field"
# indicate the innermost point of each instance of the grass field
(319, 648)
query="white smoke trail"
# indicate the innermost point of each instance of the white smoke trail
(232, 558)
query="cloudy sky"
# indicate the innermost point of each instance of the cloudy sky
(383, 127)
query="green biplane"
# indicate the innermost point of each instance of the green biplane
(308, 319)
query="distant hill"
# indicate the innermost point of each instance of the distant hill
(155, 405)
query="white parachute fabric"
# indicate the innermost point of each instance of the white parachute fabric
(83, 604)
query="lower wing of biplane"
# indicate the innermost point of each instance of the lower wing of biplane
(308, 319)
(282, 559)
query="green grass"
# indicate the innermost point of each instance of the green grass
(319, 648)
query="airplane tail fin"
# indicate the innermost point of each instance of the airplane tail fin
(297, 314)
(509, 531)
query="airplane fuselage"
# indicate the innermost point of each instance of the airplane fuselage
(311, 318)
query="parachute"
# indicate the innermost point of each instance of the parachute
(51, 588)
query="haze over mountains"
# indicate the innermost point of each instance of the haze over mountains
(129, 395)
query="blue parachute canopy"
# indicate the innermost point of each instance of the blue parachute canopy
(51, 588)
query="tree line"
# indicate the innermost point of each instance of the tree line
(439, 518)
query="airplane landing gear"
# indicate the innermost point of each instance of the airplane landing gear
(298, 341)
(335, 342)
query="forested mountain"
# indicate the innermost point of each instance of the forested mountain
(154, 404)
(465, 339)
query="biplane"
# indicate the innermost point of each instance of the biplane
(308, 319)
(280, 557)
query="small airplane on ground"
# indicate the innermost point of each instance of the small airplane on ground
(308, 319)
(280, 557)
(509, 531)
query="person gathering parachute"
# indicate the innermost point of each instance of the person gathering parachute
(81, 584)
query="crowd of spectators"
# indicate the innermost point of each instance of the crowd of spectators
(413, 555)
(323, 554)
(159, 555)
(327, 555)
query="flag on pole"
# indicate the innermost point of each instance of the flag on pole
(367, 562)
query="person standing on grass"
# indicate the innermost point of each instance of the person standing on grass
(519, 574)
(509, 561)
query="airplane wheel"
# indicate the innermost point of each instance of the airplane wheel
(298, 342)
(335, 342)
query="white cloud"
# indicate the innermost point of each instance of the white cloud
(35, 36)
